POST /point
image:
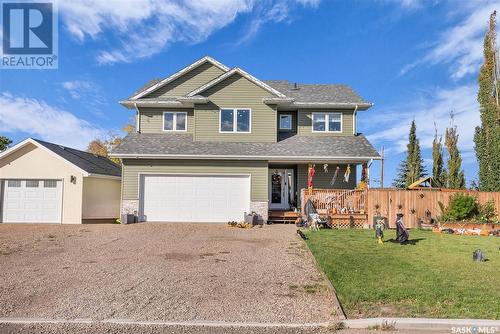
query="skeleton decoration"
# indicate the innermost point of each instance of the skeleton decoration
(325, 168)
(335, 175)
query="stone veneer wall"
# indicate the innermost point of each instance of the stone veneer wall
(261, 208)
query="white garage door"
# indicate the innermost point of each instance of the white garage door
(194, 198)
(32, 201)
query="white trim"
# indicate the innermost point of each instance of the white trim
(174, 121)
(354, 120)
(235, 120)
(291, 121)
(102, 176)
(226, 75)
(245, 157)
(137, 120)
(34, 142)
(178, 74)
(327, 122)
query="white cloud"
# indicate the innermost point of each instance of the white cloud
(146, 27)
(427, 110)
(38, 119)
(79, 88)
(461, 46)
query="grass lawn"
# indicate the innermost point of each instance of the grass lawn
(434, 277)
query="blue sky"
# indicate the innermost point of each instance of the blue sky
(415, 59)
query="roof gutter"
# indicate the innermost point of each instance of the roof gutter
(178, 102)
(313, 105)
(242, 157)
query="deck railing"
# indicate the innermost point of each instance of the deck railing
(342, 200)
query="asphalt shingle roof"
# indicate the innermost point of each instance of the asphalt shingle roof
(317, 92)
(295, 146)
(89, 162)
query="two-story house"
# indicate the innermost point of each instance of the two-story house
(212, 143)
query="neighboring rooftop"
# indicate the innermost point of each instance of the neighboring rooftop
(93, 164)
(328, 147)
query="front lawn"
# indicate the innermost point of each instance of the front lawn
(433, 277)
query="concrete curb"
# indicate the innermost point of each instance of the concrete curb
(429, 324)
(220, 324)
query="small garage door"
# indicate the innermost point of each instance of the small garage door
(32, 201)
(194, 198)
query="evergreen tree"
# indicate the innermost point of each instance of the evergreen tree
(438, 174)
(415, 162)
(456, 178)
(400, 180)
(487, 136)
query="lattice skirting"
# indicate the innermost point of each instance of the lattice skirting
(349, 221)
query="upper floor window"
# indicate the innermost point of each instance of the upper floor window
(285, 122)
(326, 122)
(235, 120)
(174, 121)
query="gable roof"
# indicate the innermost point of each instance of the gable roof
(244, 74)
(150, 87)
(295, 148)
(88, 163)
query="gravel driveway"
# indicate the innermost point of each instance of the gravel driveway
(174, 272)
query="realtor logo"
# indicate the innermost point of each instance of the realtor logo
(29, 35)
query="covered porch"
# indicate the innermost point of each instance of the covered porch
(291, 184)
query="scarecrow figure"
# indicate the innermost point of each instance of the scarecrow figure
(379, 231)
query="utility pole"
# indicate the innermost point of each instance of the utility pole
(382, 168)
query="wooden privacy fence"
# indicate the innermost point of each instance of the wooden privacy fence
(414, 203)
(388, 202)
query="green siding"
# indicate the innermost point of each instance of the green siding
(188, 82)
(322, 180)
(305, 123)
(235, 92)
(132, 168)
(151, 119)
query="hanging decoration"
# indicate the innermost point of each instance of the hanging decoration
(325, 168)
(276, 178)
(335, 175)
(347, 173)
(310, 175)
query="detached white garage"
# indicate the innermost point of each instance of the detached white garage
(41, 182)
(194, 197)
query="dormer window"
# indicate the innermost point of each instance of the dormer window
(237, 120)
(175, 121)
(326, 122)
(286, 122)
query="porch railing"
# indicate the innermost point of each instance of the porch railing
(342, 200)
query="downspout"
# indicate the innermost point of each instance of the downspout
(354, 130)
(137, 119)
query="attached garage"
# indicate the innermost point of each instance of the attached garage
(194, 197)
(42, 182)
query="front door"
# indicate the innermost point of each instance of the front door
(280, 188)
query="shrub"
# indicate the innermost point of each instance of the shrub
(462, 206)
(487, 212)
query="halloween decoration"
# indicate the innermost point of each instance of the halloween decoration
(301, 234)
(478, 256)
(325, 168)
(379, 231)
(402, 234)
(311, 173)
(347, 173)
(335, 175)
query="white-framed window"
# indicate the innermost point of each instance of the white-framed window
(32, 183)
(235, 120)
(285, 122)
(326, 122)
(14, 183)
(175, 121)
(50, 184)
